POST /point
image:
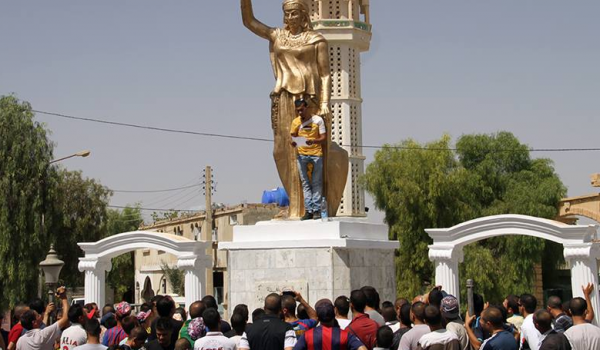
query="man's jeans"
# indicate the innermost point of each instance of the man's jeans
(312, 190)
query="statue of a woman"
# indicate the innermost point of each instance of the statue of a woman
(300, 59)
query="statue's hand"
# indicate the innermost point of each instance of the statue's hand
(324, 110)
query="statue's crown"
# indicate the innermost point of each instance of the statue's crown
(295, 4)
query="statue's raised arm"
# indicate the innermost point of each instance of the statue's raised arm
(256, 26)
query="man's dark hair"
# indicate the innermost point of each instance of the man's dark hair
(301, 101)
(110, 322)
(183, 344)
(75, 312)
(577, 306)
(342, 304)
(238, 323)
(129, 323)
(435, 298)
(288, 302)
(273, 304)
(554, 302)
(139, 333)
(164, 324)
(433, 316)
(92, 327)
(38, 306)
(241, 309)
(399, 302)
(387, 303)
(389, 313)
(165, 307)
(155, 299)
(543, 318)
(385, 337)
(512, 303)
(108, 308)
(372, 297)
(529, 303)
(197, 309)
(182, 313)
(418, 309)
(478, 304)
(212, 319)
(405, 314)
(210, 302)
(146, 307)
(358, 300)
(257, 314)
(301, 312)
(493, 315)
(28, 318)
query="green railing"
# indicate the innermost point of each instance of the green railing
(343, 23)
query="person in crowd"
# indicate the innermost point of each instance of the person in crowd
(242, 309)
(438, 337)
(257, 314)
(327, 335)
(492, 322)
(211, 303)
(165, 307)
(551, 338)
(269, 332)
(342, 308)
(153, 315)
(435, 297)
(530, 336)
(196, 310)
(582, 335)
(364, 328)
(405, 325)
(180, 314)
(164, 329)
(511, 304)
(43, 339)
(129, 323)
(372, 307)
(391, 318)
(183, 344)
(136, 339)
(3, 333)
(385, 337)
(301, 312)
(196, 329)
(144, 314)
(562, 322)
(41, 308)
(92, 331)
(451, 319)
(114, 335)
(17, 329)
(238, 325)
(288, 308)
(411, 338)
(214, 339)
(108, 308)
(75, 335)
(587, 294)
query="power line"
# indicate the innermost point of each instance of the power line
(152, 209)
(197, 133)
(156, 191)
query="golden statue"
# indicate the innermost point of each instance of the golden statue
(300, 60)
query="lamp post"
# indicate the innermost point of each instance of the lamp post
(78, 154)
(51, 267)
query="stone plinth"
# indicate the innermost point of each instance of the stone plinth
(320, 259)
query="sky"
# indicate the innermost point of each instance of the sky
(435, 67)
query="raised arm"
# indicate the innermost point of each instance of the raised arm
(253, 24)
(325, 74)
(587, 292)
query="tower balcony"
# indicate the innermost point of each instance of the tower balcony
(344, 30)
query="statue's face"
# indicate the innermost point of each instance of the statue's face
(293, 18)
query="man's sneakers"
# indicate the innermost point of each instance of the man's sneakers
(307, 216)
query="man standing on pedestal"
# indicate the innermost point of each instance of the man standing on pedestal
(312, 129)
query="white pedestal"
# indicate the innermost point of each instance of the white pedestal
(319, 259)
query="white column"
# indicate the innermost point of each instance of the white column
(95, 279)
(195, 277)
(446, 260)
(584, 269)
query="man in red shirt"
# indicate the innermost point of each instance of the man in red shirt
(364, 328)
(17, 329)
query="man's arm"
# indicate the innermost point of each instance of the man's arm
(587, 292)
(312, 314)
(63, 322)
(49, 309)
(475, 343)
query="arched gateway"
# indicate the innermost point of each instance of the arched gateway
(191, 257)
(580, 242)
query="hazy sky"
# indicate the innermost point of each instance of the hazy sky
(435, 67)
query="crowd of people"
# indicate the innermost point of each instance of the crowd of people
(288, 322)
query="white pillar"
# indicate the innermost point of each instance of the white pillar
(584, 269)
(446, 260)
(195, 276)
(95, 279)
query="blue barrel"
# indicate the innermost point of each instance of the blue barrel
(277, 195)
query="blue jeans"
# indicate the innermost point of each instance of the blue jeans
(311, 189)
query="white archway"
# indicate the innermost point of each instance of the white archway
(191, 257)
(580, 242)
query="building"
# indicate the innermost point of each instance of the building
(150, 279)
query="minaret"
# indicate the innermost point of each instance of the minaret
(348, 35)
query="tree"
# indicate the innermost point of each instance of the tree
(431, 186)
(26, 182)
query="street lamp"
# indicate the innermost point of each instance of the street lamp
(78, 154)
(51, 267)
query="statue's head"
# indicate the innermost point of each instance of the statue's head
(295, 14)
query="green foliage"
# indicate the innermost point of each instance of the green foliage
(26, 180)
(175, 277)
(437, 187)
(162, 216)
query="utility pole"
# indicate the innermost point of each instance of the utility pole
(208, 188)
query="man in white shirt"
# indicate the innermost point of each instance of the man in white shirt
(582, 335)
(530, 336)
(438, 335)
(342, 307)
(92, 329)
(214, 339)
(74, 335)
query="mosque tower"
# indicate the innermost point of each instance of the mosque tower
(346, 26)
